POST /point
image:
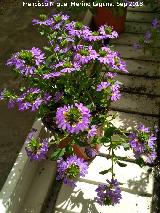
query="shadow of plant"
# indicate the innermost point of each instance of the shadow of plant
(73, 199)
(140, 186)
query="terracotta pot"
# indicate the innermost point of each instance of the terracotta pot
(106, 15)
(79, 150)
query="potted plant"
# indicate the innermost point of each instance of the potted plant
(148, 42)
(71, 85)
(113, 14)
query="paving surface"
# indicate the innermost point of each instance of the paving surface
(16, 32)
(139, 104)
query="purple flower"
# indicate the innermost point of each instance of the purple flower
(110, 74)
(52, 75)
(47, 97)
(92, 131)
(111, 59)
(155, 23)
(137, 147)
(76, 29)
(2, 94)
(104, 55)
(151, 141)
(142, 141)
(68, 67)
(109, 194)
(58, 96)
(84, 54)
(102, 86)
(107, 32)
(117, 63)
(71, 168)
(32, 99)
(74, 118)
(60, 49)
(36, 149)
(27, 61)
(36, 104)
(91, 152)
(136, 46)
(150, 157)
(92, 36)
(54, 22)
(47, 22)
(24, 106)
(142, 128)
(147, 36)
(11, 103)
(115, 89)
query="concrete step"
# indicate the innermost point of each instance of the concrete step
(130, 39)
(140, 85)
(143, 68)
(134, 16)
(129, 121)
(140, 104)
(128, 52)
(136, 27)
(143, 8)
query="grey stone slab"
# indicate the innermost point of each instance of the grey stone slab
(140, 85)
(137, 103)
(143, 8)
(136, 27)
(140, 17)
(130, 121)
(130, 39)
(128, 52)
(143, 68)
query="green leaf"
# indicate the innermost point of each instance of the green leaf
(140, 162)
(126, 146)
(105, 171)
(121, 164)
(108, 133)
(69, 150)
(57, 154)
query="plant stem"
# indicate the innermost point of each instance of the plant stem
(112, 154)
(112, 164)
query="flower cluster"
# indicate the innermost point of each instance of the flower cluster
(73, 119)
(36, 149)
(150, 39)
(111, 90)
(109, 194)
(112, 59)
(71, 168)
(27, 61)
(143, 144)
